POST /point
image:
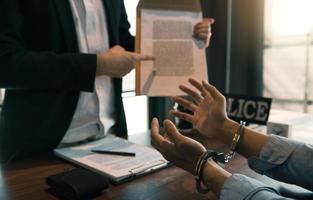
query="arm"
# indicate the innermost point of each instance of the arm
(284, 159)
(250, 143)
(21, 68)
(210, 119)
(185, 152)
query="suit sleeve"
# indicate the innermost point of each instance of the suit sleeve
(125, 38)
(21, 68)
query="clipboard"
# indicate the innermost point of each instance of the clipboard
(117, 168)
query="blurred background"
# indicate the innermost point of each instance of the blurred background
(258, 48)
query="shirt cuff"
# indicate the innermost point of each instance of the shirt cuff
(240, 187)
(275, 152)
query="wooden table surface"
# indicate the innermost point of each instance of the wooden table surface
(26, 180)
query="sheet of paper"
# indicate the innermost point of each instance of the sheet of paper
(114, 166)
(168, 36)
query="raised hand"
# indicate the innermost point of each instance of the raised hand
(202, 30)
(209, 110)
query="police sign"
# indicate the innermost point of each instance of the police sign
(249, 109)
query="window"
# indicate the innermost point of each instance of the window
(288, 56)
(136, 107)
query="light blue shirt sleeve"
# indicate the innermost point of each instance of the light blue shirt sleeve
(285, 160)
(281, 159)
(241, 187)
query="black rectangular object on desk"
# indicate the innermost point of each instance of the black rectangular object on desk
(78, 183)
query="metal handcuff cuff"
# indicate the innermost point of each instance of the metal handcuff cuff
(220, 158)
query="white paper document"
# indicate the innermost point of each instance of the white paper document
(168, 35)
(116, 167)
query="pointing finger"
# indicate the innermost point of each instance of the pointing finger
(139, 57)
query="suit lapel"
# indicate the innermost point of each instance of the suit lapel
(112, 26)
(67, 23)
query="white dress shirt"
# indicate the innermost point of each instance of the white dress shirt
(94, 114)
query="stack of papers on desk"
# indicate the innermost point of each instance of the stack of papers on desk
(117, 167)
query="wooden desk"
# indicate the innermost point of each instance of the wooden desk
(26, 180)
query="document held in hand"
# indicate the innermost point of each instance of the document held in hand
(118, 168)
(165, 30)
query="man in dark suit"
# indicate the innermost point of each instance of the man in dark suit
(43, 71)
(44, 68)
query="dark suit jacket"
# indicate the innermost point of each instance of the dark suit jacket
(43, 73)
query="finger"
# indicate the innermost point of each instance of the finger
(205, 29)
(204, 26)
(195, 95)
(181, 115)
(157, 139)
(195, 83)
(212, 90)
(139, 57)
(205, 21)
(210, 20)
(199, 86)
(171, 131)
(203, 36)
(185, 103)
(205, 93)
(186, 132)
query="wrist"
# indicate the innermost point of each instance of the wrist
(229, 130)
(206, 171)
(101, 65)
(214, 176)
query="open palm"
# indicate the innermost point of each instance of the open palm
(209, 109)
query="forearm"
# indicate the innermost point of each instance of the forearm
(239, 186)
(24, 69)
(285, 160)
(38, 66)
(250, 143)
(225, 185)
(214, 177)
